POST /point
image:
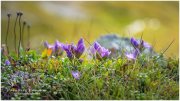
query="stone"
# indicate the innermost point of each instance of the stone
(120, 45)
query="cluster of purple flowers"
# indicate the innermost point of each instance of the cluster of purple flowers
(74, 51)
(56, 48)
(138, 45)
(96, 50)
(99, 52)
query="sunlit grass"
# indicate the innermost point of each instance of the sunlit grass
(50, 78)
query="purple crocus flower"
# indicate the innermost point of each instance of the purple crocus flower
(76, 74)
(73, 50)
(80, 48)
(132, 56)
(104, 52)
(67, 48)
(134, 42)
(7, 63)
(57, 45)
(146, 45)
(92, 50)
(99, 51)
(47, 45)
(140, 44)
(97, 45)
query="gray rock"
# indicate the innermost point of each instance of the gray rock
(119, 45)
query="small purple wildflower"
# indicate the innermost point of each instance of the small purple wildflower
(57, 45)
(146, 45)
(47, 45)
(67, 48)
(75, 51)
(76, 74)
(104, 52)
(134, 42)
(92, 50)
(99, 51)
(97, 45)
(132, 56)
(58, 48)
(69, 54)
(7, 63)
(80, 47)
(139, 44)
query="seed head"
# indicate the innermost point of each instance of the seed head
(24, 22)
(19, 13)
(8, 14)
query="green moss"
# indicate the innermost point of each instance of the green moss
(108, 79)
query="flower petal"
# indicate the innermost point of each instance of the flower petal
(57, 45)
(76, 74)
(147, 45)
(103, 52)
(96, 45)
(80, 46)
(92, 50)
(132, 55)
(134, 42)
(7, 63)
(46, 44)
(67, 48)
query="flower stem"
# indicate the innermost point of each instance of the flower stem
(20, 14)
(28, 29)
(15, 33)
(7, 32)
(24, 24)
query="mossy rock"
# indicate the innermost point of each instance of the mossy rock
(119, 45)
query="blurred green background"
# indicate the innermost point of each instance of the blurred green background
(68, 21)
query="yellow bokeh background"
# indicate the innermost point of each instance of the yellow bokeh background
(68, 21)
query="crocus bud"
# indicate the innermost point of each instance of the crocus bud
(133, 55)
(134, 42)
(100, 51)
(75, 51)
(7, 63)
(80, 48)
(76, 74)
